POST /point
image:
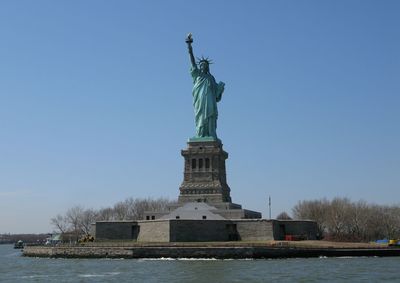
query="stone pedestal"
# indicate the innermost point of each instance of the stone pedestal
(204, 173)
(204, 192)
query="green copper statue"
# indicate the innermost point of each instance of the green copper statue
(206, 93)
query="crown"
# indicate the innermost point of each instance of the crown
(204, 60)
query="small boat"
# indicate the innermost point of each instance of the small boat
(19, 245)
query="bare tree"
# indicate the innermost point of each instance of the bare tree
(74, 218)
(105, 214)
(121, 211)
(390, 223)
(358, 216)
(313, 210)
(87, 218)
(77, 220)
(338, 217)
(60, 223)
(283, 216)
(341, 219)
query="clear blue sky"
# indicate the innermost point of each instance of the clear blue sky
(95, 101)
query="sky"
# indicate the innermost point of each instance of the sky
(95, 102)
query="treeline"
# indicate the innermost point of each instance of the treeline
(343, 220)
(77, 220)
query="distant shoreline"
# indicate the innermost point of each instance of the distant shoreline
(225, 250)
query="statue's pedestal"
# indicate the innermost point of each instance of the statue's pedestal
(204, 173)
(204, 186)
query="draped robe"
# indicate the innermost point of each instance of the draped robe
(206, 93)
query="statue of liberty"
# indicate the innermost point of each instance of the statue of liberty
(206, 93)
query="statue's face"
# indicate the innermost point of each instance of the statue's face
(204, 67)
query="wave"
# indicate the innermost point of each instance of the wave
(34, 276)
(99, 274)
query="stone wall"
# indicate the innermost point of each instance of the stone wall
(154, 231)
(254, 230)
(304, 229)
(223, 251)
(250, 214)
(188, 230)
(78, 252)
(204, 177)
(115, 230)
(199, 230)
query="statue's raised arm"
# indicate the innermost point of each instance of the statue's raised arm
(189, 41)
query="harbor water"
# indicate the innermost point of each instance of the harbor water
(16, 268)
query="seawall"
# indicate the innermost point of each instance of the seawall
(203, 251)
